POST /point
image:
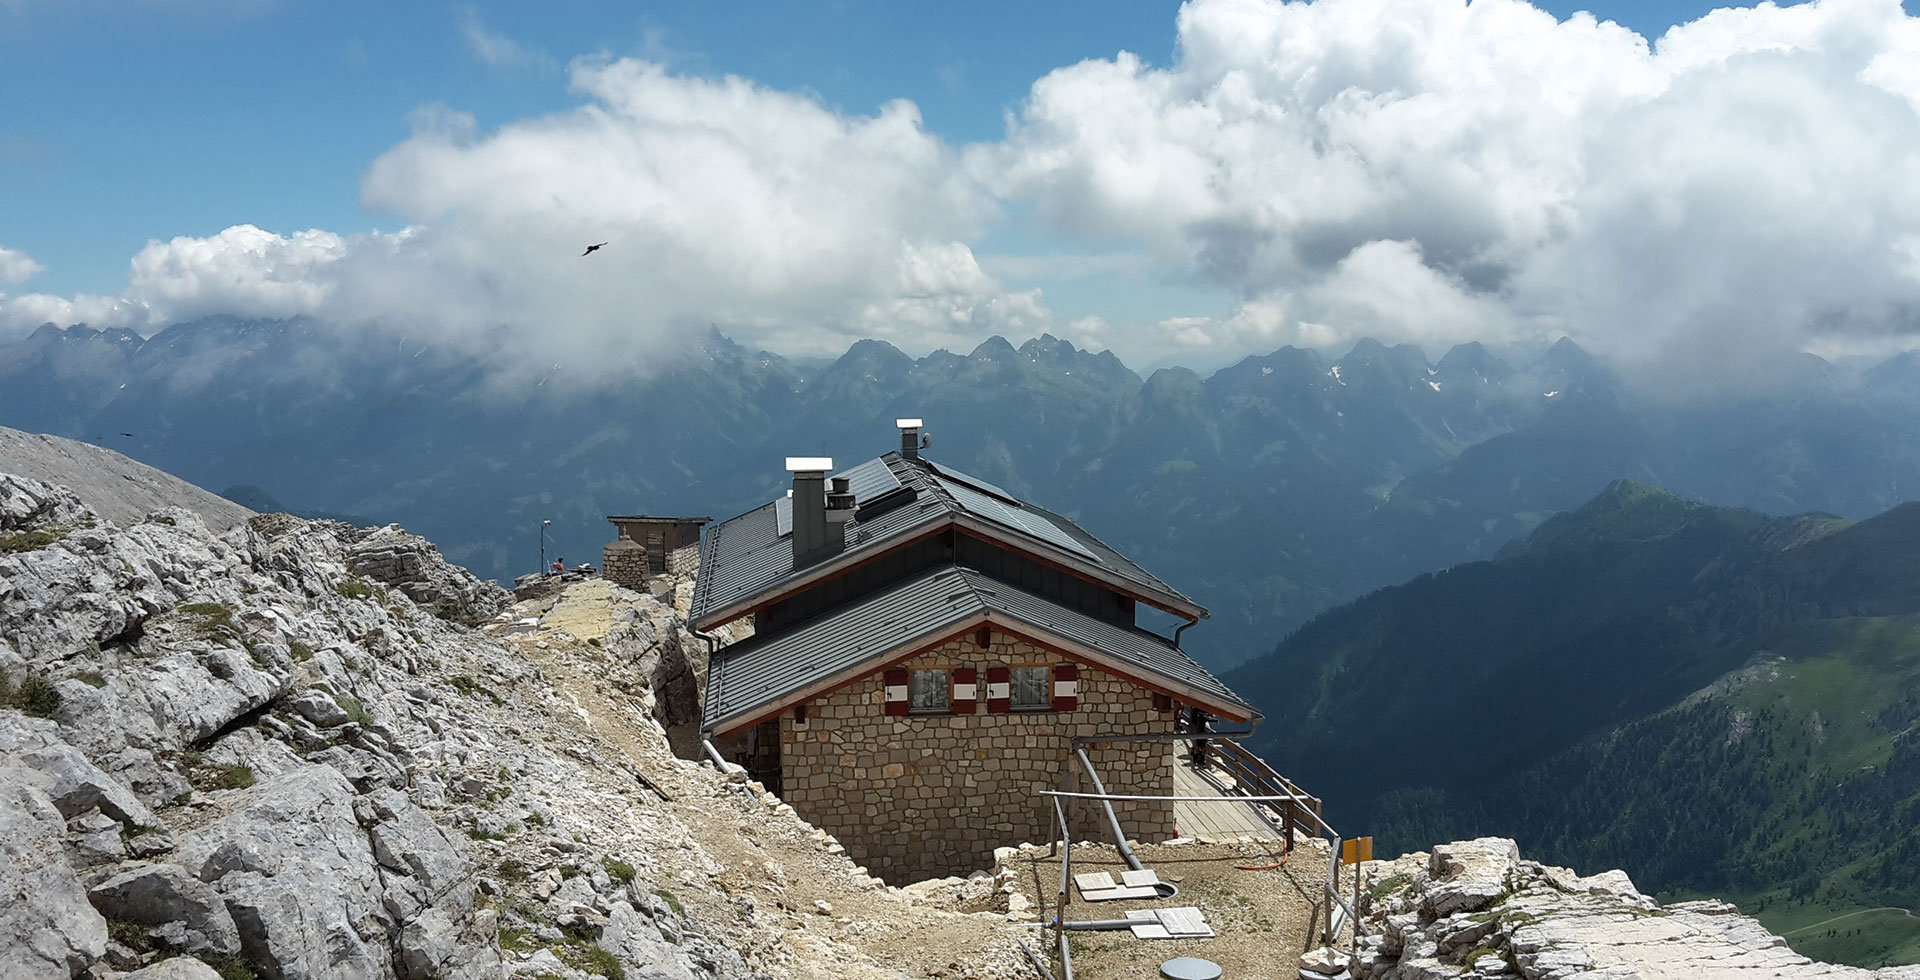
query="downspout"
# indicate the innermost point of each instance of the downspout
(706, 737)
(1183, 628)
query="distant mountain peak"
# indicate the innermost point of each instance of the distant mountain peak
(993, 348)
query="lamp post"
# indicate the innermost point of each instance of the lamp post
(543, 546)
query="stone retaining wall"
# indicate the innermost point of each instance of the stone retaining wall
(924, 796)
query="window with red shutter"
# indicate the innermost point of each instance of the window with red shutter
(966, 690)
(896, 681)
(999, 690)
(1066, 687)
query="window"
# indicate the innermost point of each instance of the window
(929, 691)
(1032, 686)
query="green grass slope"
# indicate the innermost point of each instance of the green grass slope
(1791, 785)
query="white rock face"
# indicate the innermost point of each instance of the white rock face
(48, 928)
(1476, 909)
(257, 748)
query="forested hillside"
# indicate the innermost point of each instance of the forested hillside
(1716, 701)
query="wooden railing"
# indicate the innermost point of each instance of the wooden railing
(1253, 777)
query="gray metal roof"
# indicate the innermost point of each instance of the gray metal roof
(753, 677)
(751, 554)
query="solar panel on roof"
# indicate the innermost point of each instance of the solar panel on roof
(870, 479)
(1001, 512)
(974, 482)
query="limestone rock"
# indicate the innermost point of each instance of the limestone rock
(1469, 875)
(299, 878)
(320, 708)
(1551, 924)
(187, 912)
(413, 565)
(175, 968)
(47, 929)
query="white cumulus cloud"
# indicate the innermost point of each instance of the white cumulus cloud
(1413, 170)
(1436, 171)
(17, 266)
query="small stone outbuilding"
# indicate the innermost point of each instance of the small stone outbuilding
(651, 546)
(927, 653)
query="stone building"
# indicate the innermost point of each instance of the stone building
(650, 546)
(926, 651)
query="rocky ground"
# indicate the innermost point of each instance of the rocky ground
(279, 752)
(1476, 909)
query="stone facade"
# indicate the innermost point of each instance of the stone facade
(923, 796)
(650, 547)
(624, 562)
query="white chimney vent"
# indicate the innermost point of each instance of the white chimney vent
(809, 464)
(909, 423)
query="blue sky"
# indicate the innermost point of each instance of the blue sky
(125, 121)
(128, 122)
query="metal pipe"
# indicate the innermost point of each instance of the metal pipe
(1066, 957)
(713, 753)
(1168, 799)
(1182, 629)
(1066, 856)
(1105, 924)
(1113, 820)
(1038, 963)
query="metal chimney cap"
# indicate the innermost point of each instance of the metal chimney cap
(809, 464)
(909, 423)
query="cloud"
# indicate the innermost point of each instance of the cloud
(17, 266)
(784, 222)
(1437, 171)
(1414, 170)
(497, 49)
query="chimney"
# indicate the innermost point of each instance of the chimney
(816, 535)
(909, 437)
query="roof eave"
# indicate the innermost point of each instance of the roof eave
(741, 719)
(1166, 601)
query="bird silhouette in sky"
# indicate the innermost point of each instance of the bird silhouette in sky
(127, 434)
(594, 248)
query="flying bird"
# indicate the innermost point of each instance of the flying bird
(594, 248)
(127, 434)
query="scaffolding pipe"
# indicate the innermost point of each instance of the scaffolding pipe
(1113, 820)
(1038, 963)
(1168, 799)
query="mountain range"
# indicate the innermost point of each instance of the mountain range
(1270, 490)
(1718, 701)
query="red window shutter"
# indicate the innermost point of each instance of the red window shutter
(966, 690)
(896, 692)
(1066, 687)
(999, 690)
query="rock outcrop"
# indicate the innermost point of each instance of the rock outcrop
(275, 751)
(1476, 909)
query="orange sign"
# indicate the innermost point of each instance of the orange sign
(1356, 850)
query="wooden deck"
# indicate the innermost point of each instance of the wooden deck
(1214, 821)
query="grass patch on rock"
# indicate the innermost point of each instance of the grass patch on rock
(34, 696)
(619, 871)
(14, 542)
